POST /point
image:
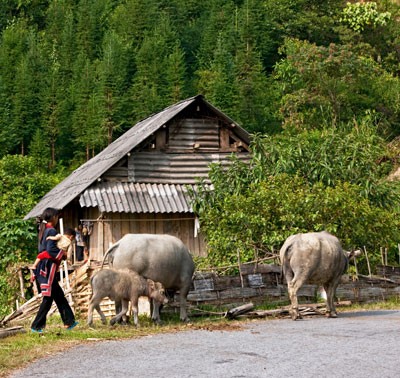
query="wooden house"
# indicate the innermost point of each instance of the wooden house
(139, 183)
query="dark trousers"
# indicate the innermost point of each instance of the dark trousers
(64, 308)
(79, 252)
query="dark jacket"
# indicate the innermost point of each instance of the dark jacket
(47, 268)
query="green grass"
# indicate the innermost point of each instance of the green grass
(20, 349)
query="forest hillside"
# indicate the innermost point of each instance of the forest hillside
(316, 83)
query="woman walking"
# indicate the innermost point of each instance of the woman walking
(46, 273)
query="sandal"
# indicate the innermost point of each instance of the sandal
(72, 326)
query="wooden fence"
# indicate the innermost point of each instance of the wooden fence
(257, 283)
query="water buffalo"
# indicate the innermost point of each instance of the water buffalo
(316, 258)
(122, 286)
(162, 258)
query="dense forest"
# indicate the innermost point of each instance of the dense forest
(316, 82)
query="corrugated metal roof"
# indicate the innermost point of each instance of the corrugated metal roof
(126, 197)
(79, 180)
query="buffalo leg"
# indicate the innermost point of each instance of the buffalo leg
(155, 314)
(182, 303)
(95, 304)
(121, 314)
(293, 286)
(330, 304)
(135, 310)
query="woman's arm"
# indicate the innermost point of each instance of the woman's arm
(51, 245)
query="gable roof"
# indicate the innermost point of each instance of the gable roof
(80, 179)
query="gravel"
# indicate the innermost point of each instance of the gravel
(356, 344)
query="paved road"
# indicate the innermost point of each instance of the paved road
(358, 344)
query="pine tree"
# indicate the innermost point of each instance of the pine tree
(112, 68)
(150, 90)
(175, 74)
(13, 46)
(216, 80)
(88, 108)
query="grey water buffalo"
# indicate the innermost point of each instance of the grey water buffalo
(316, 258)
(162, 258)
(122, 286)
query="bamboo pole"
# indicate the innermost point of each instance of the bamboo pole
(366, 256)
(68, 286)
(240, 270)
(21, 283)
(398, 246)
(355, 266)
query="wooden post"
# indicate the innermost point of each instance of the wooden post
(369, 266)
(355, 265)
(61, 276)
(398, 247)
(382, 259)
(61, 223)
(386, 256)
(100, 239)
(67, 284)
(240, 270)
(21, 283)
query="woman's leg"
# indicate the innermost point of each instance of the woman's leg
(64, 308)
(40, 319)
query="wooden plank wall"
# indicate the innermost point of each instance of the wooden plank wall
(115, 225)
(185, 133)
(176, 168)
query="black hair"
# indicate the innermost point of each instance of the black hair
(70, 232)
(48, 214)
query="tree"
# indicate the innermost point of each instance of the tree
(330, 85)
(16, 84)
(322, 179)
(251, 105)
(360, 16)
(22, 184)
(88, 108)
(216, 79)
(112, 68)
(151, 89)
(176, 75)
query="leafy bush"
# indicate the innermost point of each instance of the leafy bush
(21, 187)
(330, 180)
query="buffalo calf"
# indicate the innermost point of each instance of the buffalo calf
(122, 286)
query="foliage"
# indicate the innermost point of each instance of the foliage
(361, 15)
(256, 222)
(81, 73)
(21, 186)
(326, 86)
(321, 180)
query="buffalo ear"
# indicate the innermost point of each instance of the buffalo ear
(150, 285)
(353, 254)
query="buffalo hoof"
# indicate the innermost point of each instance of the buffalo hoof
(295, 315)
(331, 315)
